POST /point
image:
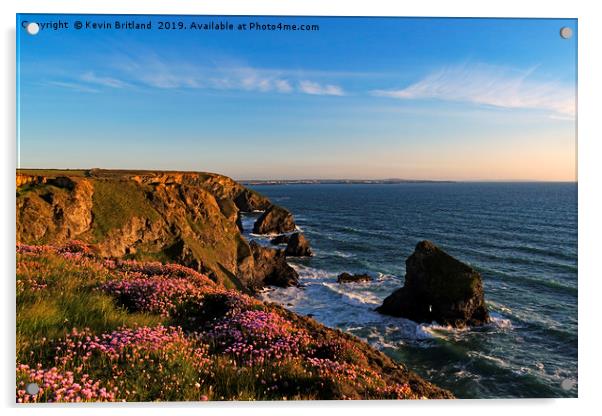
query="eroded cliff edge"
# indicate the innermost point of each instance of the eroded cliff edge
(185, 217)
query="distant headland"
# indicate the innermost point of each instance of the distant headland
(392, 181)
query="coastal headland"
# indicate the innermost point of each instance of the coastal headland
(148, 271)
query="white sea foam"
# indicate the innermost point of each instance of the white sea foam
(349, 307)
(307, 272)
(288, 297)
(445, 331)
(423, 332)
(354, 295)
(436, 330)
(499, 307)
(499, 321)
(342, 254)
(264, 236)
(487, 357)
(379, 341)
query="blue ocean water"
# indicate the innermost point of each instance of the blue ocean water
(522, 237)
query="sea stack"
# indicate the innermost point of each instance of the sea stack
(275, 220)
(298, 246)
(438, 288)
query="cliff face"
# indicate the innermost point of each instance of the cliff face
(190, 218)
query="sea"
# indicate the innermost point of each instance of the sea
(521, 237)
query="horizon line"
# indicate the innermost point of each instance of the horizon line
(284, 179)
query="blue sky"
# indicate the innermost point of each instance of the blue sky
(464, 99)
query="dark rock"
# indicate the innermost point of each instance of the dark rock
(228, 209)
(348, 278)
(281, 239)
(271, 267)
(239, 223)
(438, 288)
(62, 182)
(298, 246)
(275, 220)
(249, 200)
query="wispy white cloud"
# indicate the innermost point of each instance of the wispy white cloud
(92, 78)
(252, 79)
(492, 86)
(283, 85)
(152, 70)
(73, 86)
(314, 88)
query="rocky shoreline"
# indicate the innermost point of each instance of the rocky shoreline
(192, 219)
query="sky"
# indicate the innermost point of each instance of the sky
(360, 98)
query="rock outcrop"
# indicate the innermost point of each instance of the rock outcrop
(350, 278)
(275, 220)
(249, 201)
(298, 246)
(271, 267)
(185, 217)
(222, 187)
(60, 210)
(438, 288)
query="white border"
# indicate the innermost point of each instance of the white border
(590, 206)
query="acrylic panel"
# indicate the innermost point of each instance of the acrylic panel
(217, 208)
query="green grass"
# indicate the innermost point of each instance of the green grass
(41, 189)
(68, 301)
(116, 202)
(257, 382)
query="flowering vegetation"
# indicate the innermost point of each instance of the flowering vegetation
(253, 337)
(56, 386)
(157, 294)
(91, 329)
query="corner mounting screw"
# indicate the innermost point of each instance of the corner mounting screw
(566, 32)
